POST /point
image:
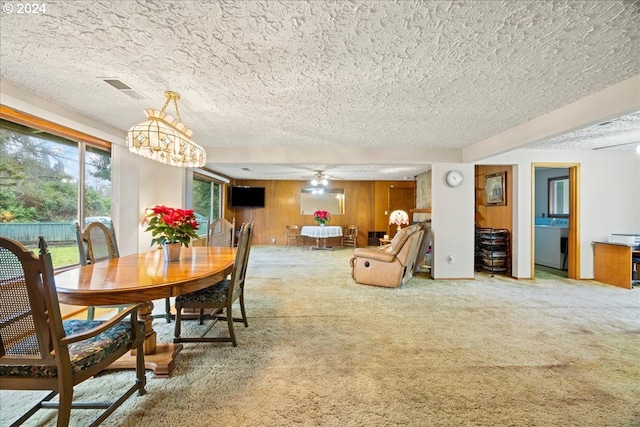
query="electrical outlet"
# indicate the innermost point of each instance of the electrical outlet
(273, 240)
(450, 259)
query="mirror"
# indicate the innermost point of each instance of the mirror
(322, 199)
(558, 197)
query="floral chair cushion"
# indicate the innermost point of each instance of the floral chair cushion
(217, 292)
(83, 354)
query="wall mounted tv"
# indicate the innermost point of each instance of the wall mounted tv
(246, 197)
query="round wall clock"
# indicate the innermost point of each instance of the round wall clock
(454, 178)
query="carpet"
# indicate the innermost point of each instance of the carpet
(321, 350)
(544, 272)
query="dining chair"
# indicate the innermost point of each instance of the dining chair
(220, 297)
(293, 236)
(221, 232)
(350, 236)
(40, 351)
(97, 242)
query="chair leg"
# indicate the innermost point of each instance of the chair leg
(91, 312)
(167, 309)
(242, 310)
(65, 402)
(141, 378)
(232, 331)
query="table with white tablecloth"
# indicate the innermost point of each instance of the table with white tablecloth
(321, 232)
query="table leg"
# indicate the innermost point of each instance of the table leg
(160, 358)
(324, 245)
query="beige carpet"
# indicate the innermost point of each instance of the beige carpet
(321, 350)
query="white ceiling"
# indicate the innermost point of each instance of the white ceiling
(354, 78)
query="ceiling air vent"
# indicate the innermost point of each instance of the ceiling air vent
(123, 87)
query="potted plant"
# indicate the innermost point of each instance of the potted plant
(322, 217)
(171, 228)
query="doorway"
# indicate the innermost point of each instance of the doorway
(401, 198)
(555, 237)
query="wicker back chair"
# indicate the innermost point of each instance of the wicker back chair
(38, 351)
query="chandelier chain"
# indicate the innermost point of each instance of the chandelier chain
(172, 96)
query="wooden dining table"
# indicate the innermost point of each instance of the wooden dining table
(145, 277)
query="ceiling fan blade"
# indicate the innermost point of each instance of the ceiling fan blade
(616, 145)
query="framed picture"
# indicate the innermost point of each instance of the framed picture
(494, 189)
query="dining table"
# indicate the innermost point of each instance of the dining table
(321, 232)
(142, 278)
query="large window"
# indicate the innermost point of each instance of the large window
(207, 200)
(47, 184)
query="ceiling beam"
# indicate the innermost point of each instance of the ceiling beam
(347, 156)
(614, 101)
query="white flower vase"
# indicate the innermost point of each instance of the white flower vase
(171, 251)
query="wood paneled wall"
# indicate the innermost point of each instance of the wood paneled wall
(494, 216)
(365, 206)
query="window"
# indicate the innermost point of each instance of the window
(558, 197)
(207, 200)
(45, 178)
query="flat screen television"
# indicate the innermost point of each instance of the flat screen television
(246, 197)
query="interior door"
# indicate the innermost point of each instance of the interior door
(403, 199)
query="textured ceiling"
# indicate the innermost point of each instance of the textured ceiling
(622, 133)
(294, 75)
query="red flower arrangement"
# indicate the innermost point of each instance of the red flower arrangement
(321, 217)
(171, 225)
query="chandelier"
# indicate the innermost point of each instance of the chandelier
(165, 139)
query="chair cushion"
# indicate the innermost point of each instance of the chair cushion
(83, 354)
(217, 292)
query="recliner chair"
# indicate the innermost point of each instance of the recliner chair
(390, 265)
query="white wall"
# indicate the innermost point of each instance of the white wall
(609, 199)
(453, 222)
(159, 184)
(125, 195)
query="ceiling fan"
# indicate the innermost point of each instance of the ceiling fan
(317, 174)
(320, 179)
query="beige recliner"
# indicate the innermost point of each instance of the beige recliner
(391, 265)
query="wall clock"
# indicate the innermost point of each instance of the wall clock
(454, 178)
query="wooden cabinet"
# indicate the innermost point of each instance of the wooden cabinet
(612, 264)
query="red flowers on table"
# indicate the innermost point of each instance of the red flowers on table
(321, 217)
(171, 225)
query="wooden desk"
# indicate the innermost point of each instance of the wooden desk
(142, 278)
(321, 232)
(612, 263)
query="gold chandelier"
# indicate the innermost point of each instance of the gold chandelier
(165, 139)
